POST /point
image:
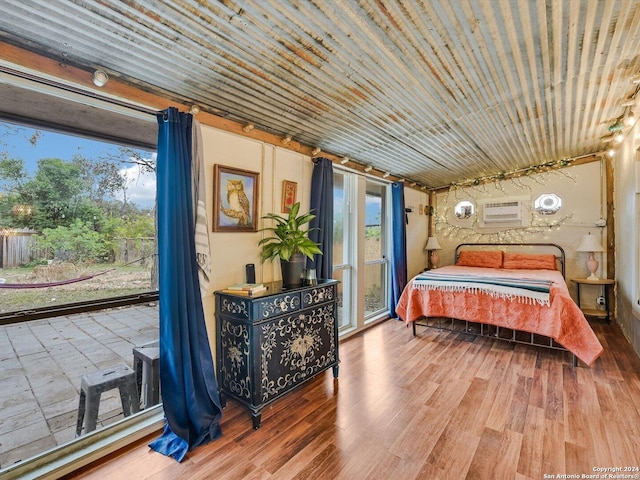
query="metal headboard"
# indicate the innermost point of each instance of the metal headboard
(559, 255)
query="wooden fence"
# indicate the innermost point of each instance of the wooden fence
(17, 247)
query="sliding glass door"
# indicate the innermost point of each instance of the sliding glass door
(360, 249)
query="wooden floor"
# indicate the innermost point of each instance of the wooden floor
(436, 406)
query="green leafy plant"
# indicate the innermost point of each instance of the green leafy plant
(289, 236)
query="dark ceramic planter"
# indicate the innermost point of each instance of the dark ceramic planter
(292, 270)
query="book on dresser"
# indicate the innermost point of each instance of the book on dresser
(245, 288)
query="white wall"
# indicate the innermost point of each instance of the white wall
(583, 198)
(627, 216)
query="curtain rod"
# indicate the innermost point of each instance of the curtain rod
(76, 90)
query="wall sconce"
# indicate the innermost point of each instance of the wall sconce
(368, 168)
(344, 160)
(316, 151)
(286, 139)
(248, 127)
(100, 78)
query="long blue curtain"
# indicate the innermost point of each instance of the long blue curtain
(321, 205)
(187, 377)
(399, 246)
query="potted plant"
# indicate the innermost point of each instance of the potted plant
(290, 242)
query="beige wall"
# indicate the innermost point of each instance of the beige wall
(231, 251)
(582, 191)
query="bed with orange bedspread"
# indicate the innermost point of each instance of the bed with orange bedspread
(548, 311)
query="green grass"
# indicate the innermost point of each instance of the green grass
(122, 281)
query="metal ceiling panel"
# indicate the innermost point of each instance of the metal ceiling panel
(439, 92)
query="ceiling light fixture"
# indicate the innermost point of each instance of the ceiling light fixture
(316, 151)
(286, 139)
(368, 168)
(248, 127)
(100, 78)
(344, 160)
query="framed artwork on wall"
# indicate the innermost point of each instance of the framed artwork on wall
(235, 199)
(289, 190)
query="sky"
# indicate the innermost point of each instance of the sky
(14, 141)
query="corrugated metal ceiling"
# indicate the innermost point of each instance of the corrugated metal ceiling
(435, 91)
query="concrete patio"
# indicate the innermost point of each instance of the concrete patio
(42, 363)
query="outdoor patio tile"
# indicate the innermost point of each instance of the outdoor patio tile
(59, 408)
(23, 419)
(54, 392)
(26, 435)
(61, 422)
(22, 452)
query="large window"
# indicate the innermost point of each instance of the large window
(77, 235)
(360, 249)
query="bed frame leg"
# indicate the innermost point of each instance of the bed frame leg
(413, 325)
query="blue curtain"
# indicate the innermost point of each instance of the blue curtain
(399, 246)
(187, 377)
(321, 205)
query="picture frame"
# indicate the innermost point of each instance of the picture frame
(235, 199)
(289, 190)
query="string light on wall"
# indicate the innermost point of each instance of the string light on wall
(248, 127)
(195, 110)
(316, 151)
(286, 140)
(368, 168)
(386, 174)
(344, 161)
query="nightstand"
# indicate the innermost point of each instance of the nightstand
(592, 312)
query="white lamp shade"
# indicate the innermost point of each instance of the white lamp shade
(589, 243)
(432, 244)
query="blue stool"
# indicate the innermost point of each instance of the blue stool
(94, 384)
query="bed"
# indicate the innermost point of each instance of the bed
(497, 293)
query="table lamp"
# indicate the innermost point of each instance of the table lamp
(433, 246)
(591, 245)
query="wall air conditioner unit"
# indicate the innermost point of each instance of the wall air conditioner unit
(503, 212)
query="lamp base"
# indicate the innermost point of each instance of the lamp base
(592, 265)
(435, 259)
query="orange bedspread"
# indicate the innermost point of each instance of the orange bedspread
(562, 320)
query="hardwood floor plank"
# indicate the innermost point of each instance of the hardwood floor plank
(439, 405)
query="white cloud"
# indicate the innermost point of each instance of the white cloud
(141, 186)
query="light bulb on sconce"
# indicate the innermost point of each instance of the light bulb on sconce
(100, 78)
(433, 246)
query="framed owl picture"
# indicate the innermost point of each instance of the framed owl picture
(235, 199)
